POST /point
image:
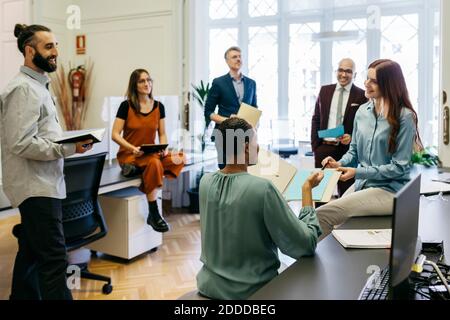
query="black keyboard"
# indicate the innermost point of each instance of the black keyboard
(377, 286)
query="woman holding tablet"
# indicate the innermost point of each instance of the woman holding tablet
(141, 119)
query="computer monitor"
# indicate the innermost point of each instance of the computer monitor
(405, 245)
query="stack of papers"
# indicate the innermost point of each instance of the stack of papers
(270, 166)
(322, 193)
(366, 239)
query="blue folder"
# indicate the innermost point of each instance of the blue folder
(294, 190)
(332, 133)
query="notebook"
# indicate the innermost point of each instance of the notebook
(270, 166)
(366, 239)
(95, 135)
(322, 193)
(153, 148)
(249, 114)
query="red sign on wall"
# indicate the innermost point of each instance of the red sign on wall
(81, 44)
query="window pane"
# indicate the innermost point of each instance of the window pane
(263, 67)
(304, 76)
(431, 136)
(355, 49)
(258, 8)
(219, 41)
(399, 42)
(223, 9)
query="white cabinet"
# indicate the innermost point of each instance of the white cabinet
(129, 235)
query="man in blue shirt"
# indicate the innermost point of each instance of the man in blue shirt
(229, 91)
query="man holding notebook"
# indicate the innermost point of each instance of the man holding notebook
(32, 166)
(229, 91)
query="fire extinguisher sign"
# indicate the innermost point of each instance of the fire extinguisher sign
(81, 44)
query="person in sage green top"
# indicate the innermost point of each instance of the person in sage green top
(244, 219)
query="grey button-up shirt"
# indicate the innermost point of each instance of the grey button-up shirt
(239, 87)
(32, 165)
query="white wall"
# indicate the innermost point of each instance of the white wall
(124, 35)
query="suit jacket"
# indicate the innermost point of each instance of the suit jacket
(322, 111)
(223, 94)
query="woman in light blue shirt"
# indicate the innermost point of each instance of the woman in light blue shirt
(384, 135)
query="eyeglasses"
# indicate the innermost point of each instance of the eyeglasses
(348, 71)
(149, 80)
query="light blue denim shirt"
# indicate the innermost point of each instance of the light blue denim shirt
(376, 167)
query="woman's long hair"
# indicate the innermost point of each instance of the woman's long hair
(132, 92)
(392, 85)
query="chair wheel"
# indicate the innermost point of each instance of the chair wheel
(107, 288)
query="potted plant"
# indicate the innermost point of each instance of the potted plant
(426, 157)
(200, 94)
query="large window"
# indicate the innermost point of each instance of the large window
(292, 47)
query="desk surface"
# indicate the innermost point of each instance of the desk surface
(339, 273)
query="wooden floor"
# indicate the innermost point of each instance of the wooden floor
(165, 274)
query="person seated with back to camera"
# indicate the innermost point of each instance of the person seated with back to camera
(244, 219)
(140, 118)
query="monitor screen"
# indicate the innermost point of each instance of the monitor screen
(404, 231)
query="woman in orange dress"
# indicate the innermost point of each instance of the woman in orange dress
(140, 118)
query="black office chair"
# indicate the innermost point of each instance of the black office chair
(83, 220)
(283, 137)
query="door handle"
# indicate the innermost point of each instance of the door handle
(446, 119)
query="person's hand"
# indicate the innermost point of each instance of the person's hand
(313, 180)
(137, 151)
(345, 139)
(329, 162)
(347, 173)
(83, 146)
(164, 153)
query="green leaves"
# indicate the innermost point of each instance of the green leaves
(426, 157)
(200, 92)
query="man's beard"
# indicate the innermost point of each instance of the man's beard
(44, 63)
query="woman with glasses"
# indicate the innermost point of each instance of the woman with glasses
(141, 119)
(379, 158)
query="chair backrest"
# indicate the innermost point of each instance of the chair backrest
(83, 220)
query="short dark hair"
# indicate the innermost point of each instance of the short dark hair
(26, 35)
(231, 49)
(236, 128)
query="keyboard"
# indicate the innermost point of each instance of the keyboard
(376, 287)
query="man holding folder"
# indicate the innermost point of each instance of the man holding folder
(336, 106)
(229, 91)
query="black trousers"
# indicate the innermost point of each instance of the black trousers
(41, 262)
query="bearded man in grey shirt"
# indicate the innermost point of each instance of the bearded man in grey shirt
(32, 166)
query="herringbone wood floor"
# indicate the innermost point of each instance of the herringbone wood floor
(165, 274)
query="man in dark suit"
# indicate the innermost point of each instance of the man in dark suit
(336, 105)
(229, 91)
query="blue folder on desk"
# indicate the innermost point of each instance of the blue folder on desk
(332, 133)
(321, 193)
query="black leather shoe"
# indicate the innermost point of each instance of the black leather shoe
(130, 170)
(158, 224)
(155, 220)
